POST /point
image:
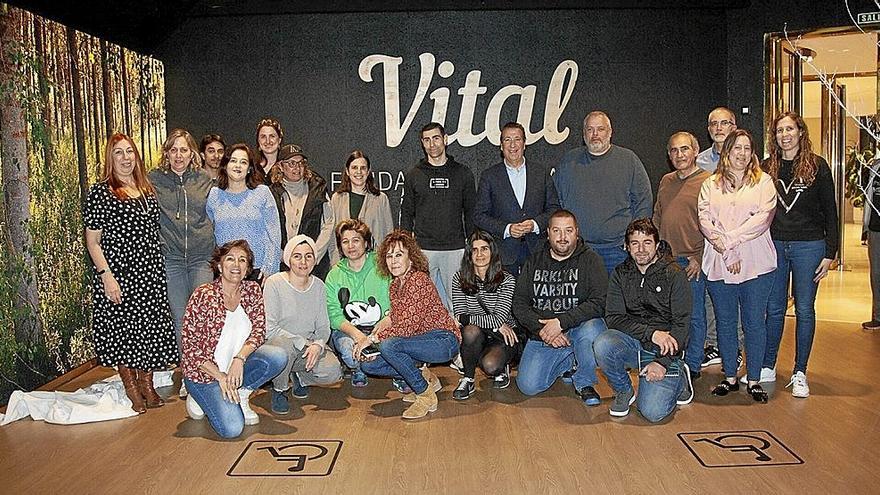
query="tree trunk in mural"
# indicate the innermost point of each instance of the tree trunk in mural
(110, 124)
(40, 47)
(126, 94)
(72, 48)
(16, 190)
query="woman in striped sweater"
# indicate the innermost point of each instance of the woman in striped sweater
(482, 295)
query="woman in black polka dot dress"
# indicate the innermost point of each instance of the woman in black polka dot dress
(132, 323)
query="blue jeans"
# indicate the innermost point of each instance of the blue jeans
(344, 346)
(611, 254)
(693, 355)
(226, 417)
(402, 356)
(542, 364)
(617, 351)
(797, 260)
(748, 299)
(183, 277)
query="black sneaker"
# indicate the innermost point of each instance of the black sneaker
(871, 325)
(502, 380)
(620, 405)
(567, 376)
(464, 389)
(687, 393)
(589, 395)
(711, 356)
(739, 359)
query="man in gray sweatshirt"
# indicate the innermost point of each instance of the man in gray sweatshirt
(606, 187)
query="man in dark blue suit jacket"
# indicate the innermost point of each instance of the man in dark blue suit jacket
(514, 202)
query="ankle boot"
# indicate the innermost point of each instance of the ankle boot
(145, 385)
(425, 402)
(129, 381)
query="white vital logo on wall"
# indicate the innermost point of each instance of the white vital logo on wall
(558, 94)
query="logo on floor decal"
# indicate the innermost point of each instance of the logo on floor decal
(738, 449)
(287, 458)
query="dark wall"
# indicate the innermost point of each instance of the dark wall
(647, 69)
(745, 47)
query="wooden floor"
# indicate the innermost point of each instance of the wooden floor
(498, 441)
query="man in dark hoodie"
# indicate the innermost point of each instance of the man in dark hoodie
(560, 300)
(438, 207)
(648, 314)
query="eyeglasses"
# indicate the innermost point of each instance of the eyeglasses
(294, 163)
(720, 123)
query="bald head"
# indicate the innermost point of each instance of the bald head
(597, 132)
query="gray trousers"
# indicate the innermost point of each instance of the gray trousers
(874, 263)
(443, 265)
(326, 371)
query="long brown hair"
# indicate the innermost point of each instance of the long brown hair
(408, 242)
(724, 173)
(805, 165)
(117, 187)
(345, 186)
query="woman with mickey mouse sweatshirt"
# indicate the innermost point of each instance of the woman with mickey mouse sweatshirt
(357, 295)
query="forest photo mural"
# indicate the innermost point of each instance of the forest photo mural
(62, 93)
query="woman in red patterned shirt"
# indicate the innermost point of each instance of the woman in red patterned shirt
(223, 331)
(418, 330)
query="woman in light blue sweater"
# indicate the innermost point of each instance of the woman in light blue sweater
(243, 208)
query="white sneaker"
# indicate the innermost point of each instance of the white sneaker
(250, 417)
(457, 365)
(182, 393)
(768, 375)
(193, 409)
(798, 384)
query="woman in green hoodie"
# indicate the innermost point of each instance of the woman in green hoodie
(357, 294)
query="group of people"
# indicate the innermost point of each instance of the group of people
(239, 265)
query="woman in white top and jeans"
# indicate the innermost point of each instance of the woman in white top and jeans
(224, 358)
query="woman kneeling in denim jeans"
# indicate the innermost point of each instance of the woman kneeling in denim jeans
(418, 330)
(224, 358)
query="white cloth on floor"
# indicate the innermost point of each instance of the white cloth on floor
(102, 401)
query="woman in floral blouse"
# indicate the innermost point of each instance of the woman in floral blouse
(224, 358)
(418, 330)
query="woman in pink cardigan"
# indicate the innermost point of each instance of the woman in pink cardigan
(736, 208)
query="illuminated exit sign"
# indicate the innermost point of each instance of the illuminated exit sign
(868, 18)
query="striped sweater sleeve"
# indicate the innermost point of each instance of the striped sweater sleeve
(498, 303)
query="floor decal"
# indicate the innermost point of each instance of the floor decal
(287, 458)
(738, 449)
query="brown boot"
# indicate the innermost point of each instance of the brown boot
(145, 385)
(129, 381)
(433, 383)
(425, 402)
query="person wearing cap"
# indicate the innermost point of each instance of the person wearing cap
(303, 205)
(297, 321)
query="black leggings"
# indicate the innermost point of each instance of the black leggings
(478, 347)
